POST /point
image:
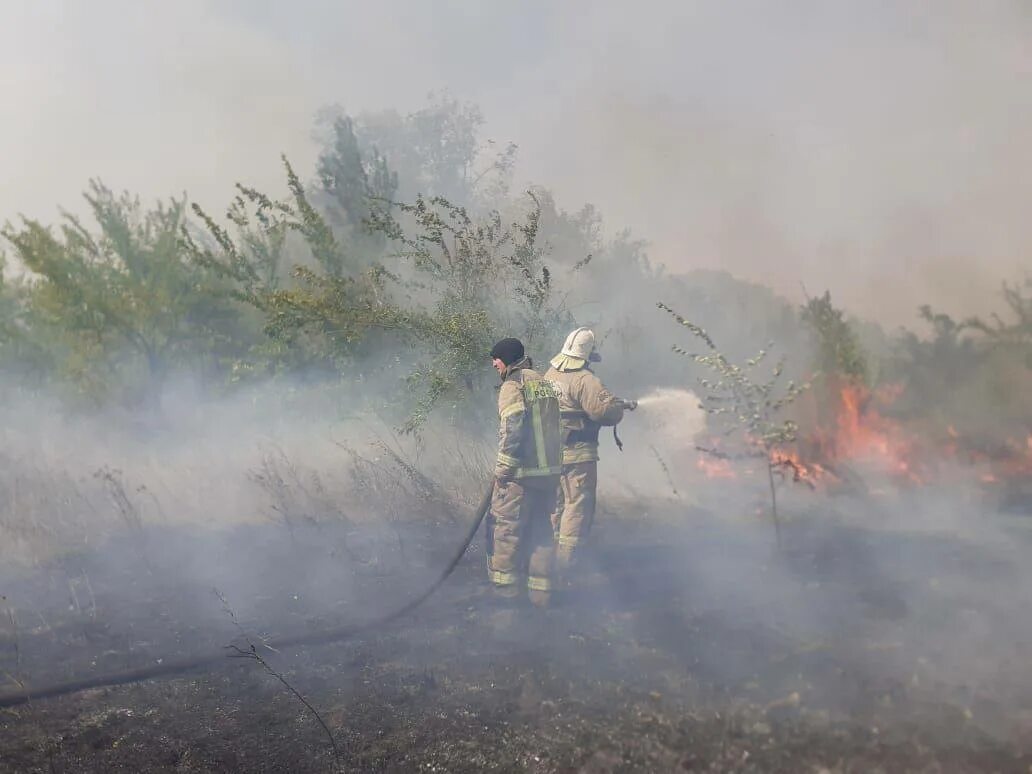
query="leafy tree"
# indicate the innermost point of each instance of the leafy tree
(434, 151)
(453, 284)
(1014, 335)
(838, 350)
(481, 278)
(121, 305)
(839, 367)
(279, 257)
(21, 356)
(962, 378)
(354, 181)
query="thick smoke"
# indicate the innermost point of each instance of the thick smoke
(873, 151)
(844, 146)
(303, 523)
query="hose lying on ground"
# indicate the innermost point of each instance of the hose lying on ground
(27, 694)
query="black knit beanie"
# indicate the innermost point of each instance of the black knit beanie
(509, 351)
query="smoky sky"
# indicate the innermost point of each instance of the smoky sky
(878, 149)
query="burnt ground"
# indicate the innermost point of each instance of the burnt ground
(691, 645)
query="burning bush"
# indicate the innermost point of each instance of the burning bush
(957, 399)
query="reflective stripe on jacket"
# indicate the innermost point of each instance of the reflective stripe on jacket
(529, 430)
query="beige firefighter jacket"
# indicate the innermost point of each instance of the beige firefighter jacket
(529, 427)
(586, 406)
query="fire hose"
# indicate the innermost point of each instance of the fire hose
(628, 405)
(189, 663)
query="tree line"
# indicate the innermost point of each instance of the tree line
(391, 268)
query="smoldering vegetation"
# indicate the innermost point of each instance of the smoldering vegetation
(237, 430)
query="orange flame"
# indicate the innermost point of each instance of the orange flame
(715, 467)
(863, 434)
(806, 473)
(860, 432)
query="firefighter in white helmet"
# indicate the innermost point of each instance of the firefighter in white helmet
(586, 406)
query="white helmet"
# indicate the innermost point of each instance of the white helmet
(579, 344)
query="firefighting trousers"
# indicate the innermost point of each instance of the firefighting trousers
(574, 511)
(519, 536)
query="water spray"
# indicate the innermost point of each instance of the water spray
(674, 416)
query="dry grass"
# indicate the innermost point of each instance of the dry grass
(54, 504)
